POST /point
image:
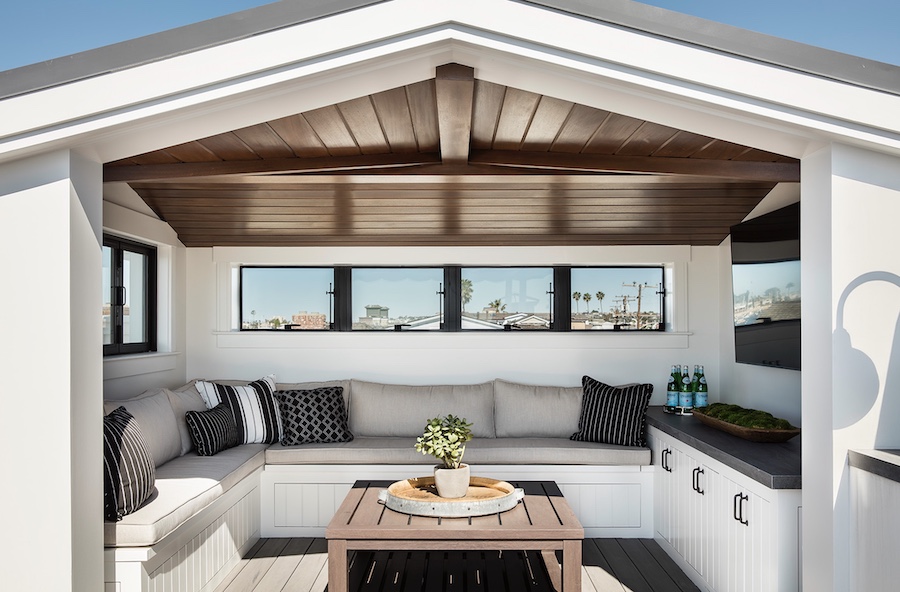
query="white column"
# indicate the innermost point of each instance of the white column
(51, 369)
(851, 347)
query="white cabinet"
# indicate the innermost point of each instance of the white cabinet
(719, 525)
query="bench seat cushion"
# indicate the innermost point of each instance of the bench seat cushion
(184, 486)
(488, 451)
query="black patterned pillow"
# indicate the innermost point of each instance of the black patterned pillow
(314, 416)
(254, 408)
(129, 473)
(613, 414)
(212, 431)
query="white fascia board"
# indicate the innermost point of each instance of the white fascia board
(342, 57)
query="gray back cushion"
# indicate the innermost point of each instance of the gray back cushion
(153, 413)
(530, 411)
(402, 411)
(308, 386)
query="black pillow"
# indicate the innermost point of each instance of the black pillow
(253, 406)
(313, 416)
(613, 414)
(212, 431)
(129, 473)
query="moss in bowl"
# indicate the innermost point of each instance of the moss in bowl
(750, 424)
(747, 418)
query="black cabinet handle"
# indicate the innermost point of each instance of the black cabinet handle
(696, 480)
(739, 500)
(664, 461)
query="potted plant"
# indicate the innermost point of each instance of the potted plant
(445, 439)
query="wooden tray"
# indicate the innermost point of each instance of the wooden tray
(752, 434)
(418, 496)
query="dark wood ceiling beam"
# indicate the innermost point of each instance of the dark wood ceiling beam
(776, 172)
(454, 89)
(328, 164)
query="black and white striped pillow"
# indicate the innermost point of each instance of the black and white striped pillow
(254, 407)
(212, 431)
(129, 473)
(613, 414)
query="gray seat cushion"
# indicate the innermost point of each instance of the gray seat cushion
(184, 486)
(486, 451)
(399, 410)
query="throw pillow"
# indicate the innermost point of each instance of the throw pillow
(129, 473)
(254, 407)
(313, 416)
(212, 431)
(613, 415)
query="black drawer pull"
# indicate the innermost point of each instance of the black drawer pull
(696, 484)
(739, 500)
(664, 461)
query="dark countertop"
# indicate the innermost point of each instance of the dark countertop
(775, 465)
(885, 463)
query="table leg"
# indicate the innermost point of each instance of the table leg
(571, 566)
(337, 565)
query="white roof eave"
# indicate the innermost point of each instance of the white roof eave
(341, 57)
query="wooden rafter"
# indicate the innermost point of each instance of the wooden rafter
(602, 163)
(455, 88)
(323, 164)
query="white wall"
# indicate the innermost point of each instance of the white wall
(215, 351)
(126, 376)
(851, 344)
(50, 360)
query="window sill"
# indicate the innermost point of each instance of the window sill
(136, 364)
(451, 340)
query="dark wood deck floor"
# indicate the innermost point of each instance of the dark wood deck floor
(300, 565)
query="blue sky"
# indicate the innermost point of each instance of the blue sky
(40, 30)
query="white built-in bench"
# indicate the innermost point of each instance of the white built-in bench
(208, 511)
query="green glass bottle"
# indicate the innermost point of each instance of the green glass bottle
(672, 389)
(685, 395)
(701, 396)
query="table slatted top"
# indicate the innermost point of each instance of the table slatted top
(542, 514)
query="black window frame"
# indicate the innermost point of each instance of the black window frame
(662, 293)
(560, 297)
(553, 325)
(333, 314)
(119, 246)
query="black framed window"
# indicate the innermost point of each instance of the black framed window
(129, 296)
(397, 298)
(293, 298)
(617, 298)
(506, 298)
(453, 298)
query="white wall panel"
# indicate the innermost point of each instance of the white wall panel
(540, 358)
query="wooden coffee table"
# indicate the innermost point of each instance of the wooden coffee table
(542, 521)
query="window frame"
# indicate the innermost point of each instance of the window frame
(663, 293)
(333, 304)
(119, 246)
(560, 298)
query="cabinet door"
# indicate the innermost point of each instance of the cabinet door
(748, 550)
(701, 509)
(661, 450)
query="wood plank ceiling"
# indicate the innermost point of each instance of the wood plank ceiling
(453, 161)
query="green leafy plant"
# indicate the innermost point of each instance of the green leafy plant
(445, 439)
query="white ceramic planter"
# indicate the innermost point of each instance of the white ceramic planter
(452, 483)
